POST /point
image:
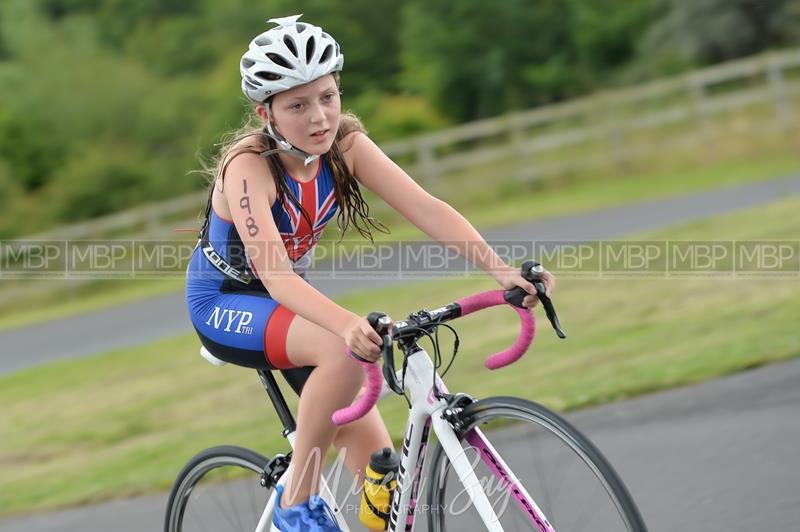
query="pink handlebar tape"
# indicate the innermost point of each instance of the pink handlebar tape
(364, 403)
(498, 360)
(526, 333)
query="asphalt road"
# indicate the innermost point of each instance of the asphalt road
(718, 456)
(721, 456)
(162, 316)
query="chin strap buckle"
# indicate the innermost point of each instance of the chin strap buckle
(285, 146)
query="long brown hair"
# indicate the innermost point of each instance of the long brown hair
(353, 209)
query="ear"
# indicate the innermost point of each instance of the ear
(262, 110)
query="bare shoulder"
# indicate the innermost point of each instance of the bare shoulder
(351, 144)
(243, 167)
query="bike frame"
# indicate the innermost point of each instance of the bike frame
(428, 412)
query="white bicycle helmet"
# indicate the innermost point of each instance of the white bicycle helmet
(291, 54)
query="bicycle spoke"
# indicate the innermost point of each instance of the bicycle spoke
(558, 467)
(215, 480)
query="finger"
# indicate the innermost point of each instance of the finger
(528, 287)
(358, 352)
(370, 347)
(365, 354)
(550, 283)
(530, 301)
(373, 336)
(361, 344)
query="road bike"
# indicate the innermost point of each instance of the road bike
(497, 463)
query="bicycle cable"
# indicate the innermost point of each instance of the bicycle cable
(438, 361)
(405, 363)
(437, 355)
(456, 343)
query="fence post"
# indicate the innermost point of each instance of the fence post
(615, 132)
(427, 159)
(782, 106)
(700, 105)
(526, 170)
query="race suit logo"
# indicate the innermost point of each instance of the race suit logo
(230, 318)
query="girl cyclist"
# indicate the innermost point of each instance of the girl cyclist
(274, 189)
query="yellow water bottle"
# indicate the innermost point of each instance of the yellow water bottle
(380, 482)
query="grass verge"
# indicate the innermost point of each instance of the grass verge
(555, 198)
(124, 422)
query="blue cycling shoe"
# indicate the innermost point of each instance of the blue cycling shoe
(313, 515)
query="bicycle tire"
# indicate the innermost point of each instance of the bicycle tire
(510, 409)
(197, 469)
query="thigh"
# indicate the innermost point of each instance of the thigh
(234, 327)
(308, 344)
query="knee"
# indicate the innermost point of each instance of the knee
(350, 373)
(328, 355)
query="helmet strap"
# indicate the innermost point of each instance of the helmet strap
(284, 145)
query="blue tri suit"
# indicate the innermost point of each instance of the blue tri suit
(241, 323)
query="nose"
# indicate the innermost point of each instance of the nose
(317, 113)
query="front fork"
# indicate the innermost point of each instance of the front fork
(494, 463)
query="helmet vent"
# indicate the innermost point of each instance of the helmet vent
(247, 63)
(263, 40)
(310, 45)
(326, 53)
(268, 76)
(250, 85)
(289, 42)
(278, 60)
(300, 27)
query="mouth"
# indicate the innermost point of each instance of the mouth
(321, 134)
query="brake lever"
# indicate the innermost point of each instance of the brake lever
(532, 271)
(380, 322)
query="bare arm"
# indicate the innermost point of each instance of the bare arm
(247, 186)
(434, 217)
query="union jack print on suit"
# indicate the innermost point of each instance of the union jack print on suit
(318, 199)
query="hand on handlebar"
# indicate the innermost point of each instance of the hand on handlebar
(368, 353)
(362, 340)
(377, 338)
(512, 278)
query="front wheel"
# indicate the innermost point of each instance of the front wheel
(218, 489)
(573, 486)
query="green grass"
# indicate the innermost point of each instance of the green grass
(739, 146)
(124, 422)
(554, 198)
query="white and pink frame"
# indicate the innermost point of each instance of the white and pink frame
(426, 413)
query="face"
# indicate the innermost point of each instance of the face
(308, 115)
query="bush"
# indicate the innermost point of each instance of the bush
(391, 116)
(98, 181)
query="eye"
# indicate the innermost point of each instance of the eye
(328, 97)
(296, 107)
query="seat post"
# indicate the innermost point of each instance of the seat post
(275, 395)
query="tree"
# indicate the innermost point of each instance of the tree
(605, 32)
(475, 58)
(368, 32)
(710, 31)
